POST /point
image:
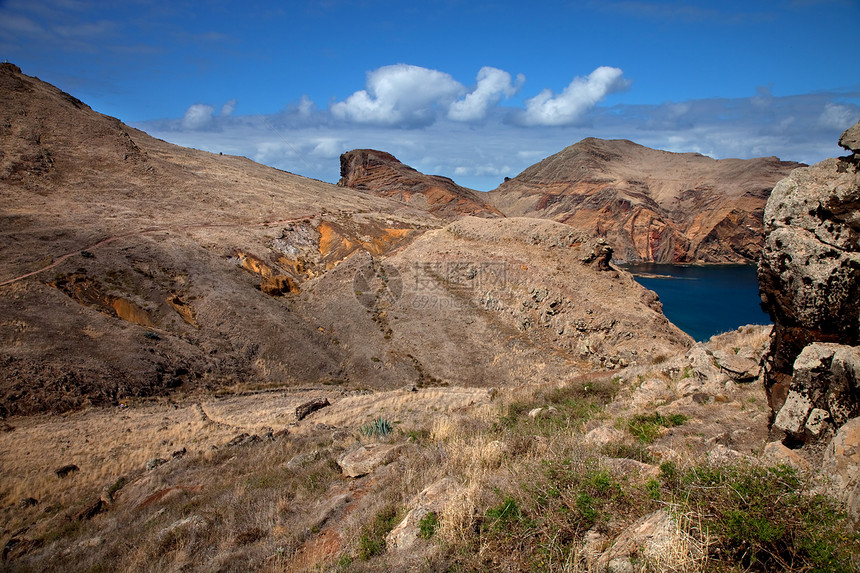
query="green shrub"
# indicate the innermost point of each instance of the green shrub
(765, 519)
(428, 525)
(371, 542)
(378, 427)
(646, 427)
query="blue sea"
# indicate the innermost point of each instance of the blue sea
(704, 300)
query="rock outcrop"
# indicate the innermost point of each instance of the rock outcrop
(650, 205)
(383, 175)
(809, 280)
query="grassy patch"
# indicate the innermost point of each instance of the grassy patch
(647, 427)
(371, 542)
(428, 525)
(765, 519)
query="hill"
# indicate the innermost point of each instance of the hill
(383, 175)
(650, 205)
(132, 267)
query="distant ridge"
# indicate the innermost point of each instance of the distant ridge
(383, 175)
(651, 205)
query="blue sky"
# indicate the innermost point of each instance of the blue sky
(474, 90)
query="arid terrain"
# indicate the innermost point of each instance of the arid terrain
(207, 364)
(652, 205)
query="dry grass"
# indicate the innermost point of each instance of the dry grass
(532, 494)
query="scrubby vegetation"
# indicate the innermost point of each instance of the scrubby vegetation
(533, 491)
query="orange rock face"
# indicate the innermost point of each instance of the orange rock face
(383, 175)
(650, 205)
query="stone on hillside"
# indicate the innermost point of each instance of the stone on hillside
(826, 382)
(154, 463)
(542, 412)
(722, 455)
(737, 367)
(309, 407)
(655, 529)
(243, 439)
(628, 467)
(301, 460)
(841, 464)
(850, 139)
(364, 459)
(809, 272)
(604, 435)
(66, 470)
(704, 373)
(777, 453)
(431, 500)
(91, 510)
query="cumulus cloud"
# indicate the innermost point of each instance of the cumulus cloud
(577, 98)
(400, 95)
(198, 116)
(493, 83)
(228, 108)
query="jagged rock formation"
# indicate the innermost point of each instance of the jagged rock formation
(650, 205)
(383, 175)
(132, 267)
(809, 279)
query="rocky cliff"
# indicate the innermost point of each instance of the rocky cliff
(383, 175)
(809, 278)
(650, 205)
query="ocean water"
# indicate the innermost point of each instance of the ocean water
(704, 300)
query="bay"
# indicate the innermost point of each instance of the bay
(704, 300)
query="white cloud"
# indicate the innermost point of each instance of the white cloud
(577, 98)
(198, 116)
(306, 106)
(307, 141)
(328, 147)
(837, 116)
(400, 95)
(493, 83)
(228, 108)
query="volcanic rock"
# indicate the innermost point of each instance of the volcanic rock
(306, 409)
(383, 175)
(809, 281)
(365, 459)
(650, 205)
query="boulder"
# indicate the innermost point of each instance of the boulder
(850, 139)
(431, 500)
(841, 464)
(655, 529)
(809, 271)
(311, 406)
(777, 453)
(604, 435)
(364, 459)
(736, 367)
(66, 470)
(841, 467)
(824, 390)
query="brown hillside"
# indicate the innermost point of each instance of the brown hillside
(650, 205)
(130, 267)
